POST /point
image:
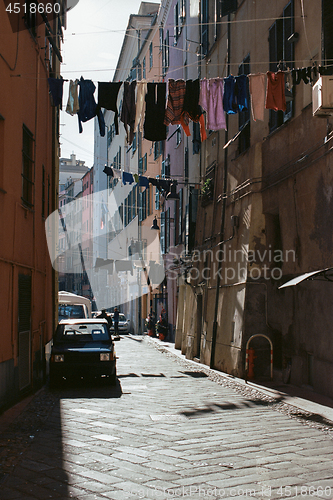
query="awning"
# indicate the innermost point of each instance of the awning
(324, 274)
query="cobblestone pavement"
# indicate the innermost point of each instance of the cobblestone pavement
(169, 429)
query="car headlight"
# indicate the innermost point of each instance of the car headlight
(59, 358)
(104, 356)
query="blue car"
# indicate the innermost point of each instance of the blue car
(82, 348)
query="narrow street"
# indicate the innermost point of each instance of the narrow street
(167, 430)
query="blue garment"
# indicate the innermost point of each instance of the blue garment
(127, 178)
(242, 92)
(88, 106)
(56, 88)
(229, 97)
(143, 181)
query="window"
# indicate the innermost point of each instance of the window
(144, 67)
(134, 145)
(204, 26)
(27, 167)
(281, 56)
(327, 17)
(186, 165)
(180, 216)
(179, 19)
(158, 149)
(178, 135)
(157, 196)
(166, 168)
(244, 116)
(162, 233)
(151, 55)
(165, 53)
(196, 138)
(212, 12)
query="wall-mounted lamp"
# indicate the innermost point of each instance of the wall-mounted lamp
(155, 225)
(173, 195)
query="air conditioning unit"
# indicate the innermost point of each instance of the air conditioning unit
(322, 96)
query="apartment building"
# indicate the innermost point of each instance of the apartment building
(29, 173)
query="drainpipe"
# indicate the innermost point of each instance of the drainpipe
(224, 204)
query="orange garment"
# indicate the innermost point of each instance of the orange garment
(275, 94)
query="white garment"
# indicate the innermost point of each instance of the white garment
(141, 91)
(73, 98)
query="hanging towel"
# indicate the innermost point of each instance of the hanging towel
(229, 95)
(56, 88)
(141, 91)
(117, 173)
(143, 181)
(174, 108)
(128, 110)
(257, 84)
(73, 98)
(128, 178)
(154, 128)
(211, 99)
(107, 98)
(88, 106)
(275, 93)
(242, 92)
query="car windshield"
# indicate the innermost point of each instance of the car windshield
(93, 332)
(71, 311)
(122, 317)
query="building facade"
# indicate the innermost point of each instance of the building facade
(29, 172)
(266, 217)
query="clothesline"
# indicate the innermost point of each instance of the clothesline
(154, 106)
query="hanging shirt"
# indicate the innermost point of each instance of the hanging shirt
(56, 88)
(154, 127)
(211, 99)
(123, 265)
(174, 109)
(141, 91)
(143, 181)
(88, 106)
(107, 99)
(128, 178)
(128, 110)
(108, 171)
(275, 93)
(73, 98)
(257, 85)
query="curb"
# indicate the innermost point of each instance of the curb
(294, 396)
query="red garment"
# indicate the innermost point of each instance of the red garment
(275, 93)
(175, 102)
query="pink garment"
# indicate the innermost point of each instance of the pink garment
(257, 85)
(211, 99)
(275, 95)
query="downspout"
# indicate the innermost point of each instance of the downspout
(224, 204)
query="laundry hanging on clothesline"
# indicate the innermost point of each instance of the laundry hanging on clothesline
(154, 106)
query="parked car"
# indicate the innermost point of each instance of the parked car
(82, 348)
(124, 325)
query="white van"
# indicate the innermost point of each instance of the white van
(73, 306)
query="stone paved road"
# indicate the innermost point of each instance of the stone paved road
(166, 431)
